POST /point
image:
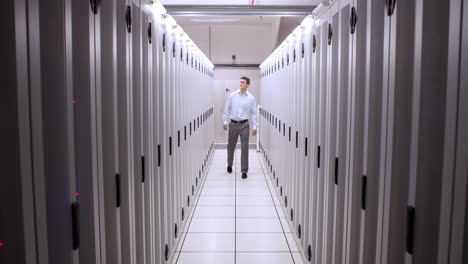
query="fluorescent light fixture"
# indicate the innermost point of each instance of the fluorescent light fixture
(217, 20)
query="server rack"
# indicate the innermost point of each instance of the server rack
(85, 89)
(383, 113)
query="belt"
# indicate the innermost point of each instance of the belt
(239, 122)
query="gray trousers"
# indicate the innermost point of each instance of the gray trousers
(236, 130)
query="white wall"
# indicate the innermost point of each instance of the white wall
(250, 43)
(228, 78)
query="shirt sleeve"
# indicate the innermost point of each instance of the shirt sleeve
(227, 109)
(253, 112)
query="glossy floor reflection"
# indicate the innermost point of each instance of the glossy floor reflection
(237, 221)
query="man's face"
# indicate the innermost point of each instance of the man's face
(243, 84)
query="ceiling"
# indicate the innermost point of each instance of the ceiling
(225, 20)
(241, 2)
(204, 26)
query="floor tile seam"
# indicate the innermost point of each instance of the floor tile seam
(239, 251)
(195, 205)
(279, 218)
(240, 206)
(240, 195)
(235, 212)
(243, 217)
(240, 232)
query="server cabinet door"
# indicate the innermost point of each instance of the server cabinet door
(428, 128)
(317, 46)
(343, 93)
(396, 131)
(330, 135)
(356, 131)
(164, 142)
(57, 134)
(157, 49)
(112, 180)
(17, 220)
(453, 240)
(305, 191)
(459, 250)
(137, 126)
(369, 195)
(325, 31)
(125, 139)
(148, 175)
(86, 110)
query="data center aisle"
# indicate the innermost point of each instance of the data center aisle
(237, 221)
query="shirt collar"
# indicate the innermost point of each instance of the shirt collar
(240, 93)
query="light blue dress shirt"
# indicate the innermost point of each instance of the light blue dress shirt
(241, 107)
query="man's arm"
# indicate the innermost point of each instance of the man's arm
(254, 117)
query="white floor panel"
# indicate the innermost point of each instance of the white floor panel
(206, 258)
(258, 225)
(253, 191)
(254, 200)
(214, 211)
(217, 200)
(209, 242)
(256, 211)
(264, 258)
(218, 191)
(212, 225)
(259, 242)
(237, 221)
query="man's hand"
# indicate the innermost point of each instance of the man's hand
(254, 132)
(225, 127)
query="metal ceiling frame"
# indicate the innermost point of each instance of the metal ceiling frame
(238, 10)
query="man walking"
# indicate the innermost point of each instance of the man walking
(240, 108)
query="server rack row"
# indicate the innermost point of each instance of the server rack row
(363, 131)
(108, 133)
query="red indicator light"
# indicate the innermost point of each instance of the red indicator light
(1, 244)
(77, 194)
(74, 101)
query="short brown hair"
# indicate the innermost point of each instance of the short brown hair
(247, 80)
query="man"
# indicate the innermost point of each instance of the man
(240, 108)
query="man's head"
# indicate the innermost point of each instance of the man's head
(244, 83)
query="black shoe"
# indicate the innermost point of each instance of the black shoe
(229, 169)
(244, 175)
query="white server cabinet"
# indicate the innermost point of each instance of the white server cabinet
(453, 242)
(308, 53)
(147, 143)
(372, 126)
(110, 153)
(356, 103)
(87, 118)
(53, 116)
(125, 26)
(139, 158)
(165, 226)
(396, 132)
(38, 200)
(330, 126)
(342, 18)
(157, 50)
(428, 125)
(17, 229)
